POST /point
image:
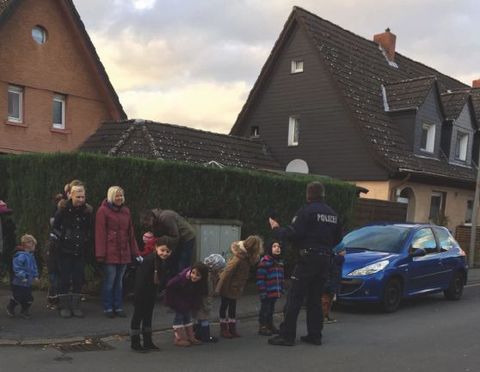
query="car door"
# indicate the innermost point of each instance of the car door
(448, 255)
(423, 271)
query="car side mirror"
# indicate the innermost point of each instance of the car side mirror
(417, 252)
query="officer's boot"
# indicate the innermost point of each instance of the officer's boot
(76, 301)
(147, 340)
(135, 344)
(232, 327)
(64, 303)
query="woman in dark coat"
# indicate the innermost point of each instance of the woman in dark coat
(115, 247)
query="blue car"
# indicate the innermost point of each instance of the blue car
(386, 263)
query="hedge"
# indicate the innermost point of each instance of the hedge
(29, 183)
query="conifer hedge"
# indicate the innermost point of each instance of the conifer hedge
(29, 183)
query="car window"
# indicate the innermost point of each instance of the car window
(445, 240)
(424, 239)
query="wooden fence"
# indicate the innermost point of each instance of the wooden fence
(462, 236)
(373, 210)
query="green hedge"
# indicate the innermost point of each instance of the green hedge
(29, 182)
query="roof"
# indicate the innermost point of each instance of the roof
(454, 102)
(7, 8)
(361, 73)
(408, 94)
(152, 140)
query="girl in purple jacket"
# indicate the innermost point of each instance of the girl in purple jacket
(184, 294)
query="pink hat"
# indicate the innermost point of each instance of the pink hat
(4, 208)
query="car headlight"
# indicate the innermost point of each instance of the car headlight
(370, 269)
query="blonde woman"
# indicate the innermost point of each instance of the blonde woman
(115, 247)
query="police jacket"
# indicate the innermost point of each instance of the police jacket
(72, 228)
(315, 227)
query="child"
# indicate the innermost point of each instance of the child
(184, 294)
(233, 279)
(333, 281)
(270, 282)
(150, 275)
(148, 243)
(215, 264)
(24, 269)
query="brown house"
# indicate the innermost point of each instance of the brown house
(330, 102)
(54, 91)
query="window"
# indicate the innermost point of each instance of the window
(461, 146)
(437, 207)
(254, 131)
(297, 66)
(469, 211)
(424, 239)
(39, 34)
(445, 240)
(59, 111)
(427, 141)
(293, 125)
(15, 104)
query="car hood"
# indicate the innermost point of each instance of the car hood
(356, 259)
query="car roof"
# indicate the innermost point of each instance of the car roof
(411, 225)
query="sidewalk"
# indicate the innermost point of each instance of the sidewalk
(46, 326)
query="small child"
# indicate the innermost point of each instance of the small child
(24, 270)
(270, 283)
(233, 279)
(184, 295)
(150, 275)
(215, 264)
(333, 282)
(148, 243)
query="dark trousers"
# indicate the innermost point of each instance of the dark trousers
(71, 273)
(143, 312)
(231, 305)
(22, 296)
(308, 280)
(185, 253)
(267, 308)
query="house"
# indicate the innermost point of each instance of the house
(54, 91)
(159, 141)
(330, 102)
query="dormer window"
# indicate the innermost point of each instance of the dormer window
(39, 34)
(297, 66)
(427, 141)
(461, 146)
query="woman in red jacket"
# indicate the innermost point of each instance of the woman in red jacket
(115, 247)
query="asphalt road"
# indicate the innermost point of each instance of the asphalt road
(426, 334)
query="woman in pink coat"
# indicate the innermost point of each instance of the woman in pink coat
(115, 247)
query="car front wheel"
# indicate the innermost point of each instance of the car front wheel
(455, 289)
(392, 296)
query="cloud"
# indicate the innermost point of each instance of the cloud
(173, 54)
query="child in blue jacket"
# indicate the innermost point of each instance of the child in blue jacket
(24, 272)
(270, 283)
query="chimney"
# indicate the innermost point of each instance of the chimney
(476, 83)
(387, 41)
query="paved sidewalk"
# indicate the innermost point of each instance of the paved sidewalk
(46, 327)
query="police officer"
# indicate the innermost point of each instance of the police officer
(315, 231)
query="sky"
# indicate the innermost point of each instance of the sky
(194, 62)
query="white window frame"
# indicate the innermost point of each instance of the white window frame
(296, 66)
(62, 99)
(430, 144)
(14, 89)
(41, 37)
(461, 146)
(293, 131)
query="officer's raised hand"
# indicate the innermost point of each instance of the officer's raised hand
(273, 224)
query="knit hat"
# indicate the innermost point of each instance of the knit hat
(148, 238)
(215, 262)
(4, 208)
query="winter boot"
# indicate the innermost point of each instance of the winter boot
(25, 312)
(135, 344)
(11, 307)
(180, 336)
(76, 310)
(197, 329)
(64, 302)
(191, 335)
(147, 340)
(232, 327)
(224, 331)
(206, 336)
(264, 330)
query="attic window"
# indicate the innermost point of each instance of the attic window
(427, 141)
(254, 131)
(461, 146)
(293, 130)
(297, 66)
(39, 34)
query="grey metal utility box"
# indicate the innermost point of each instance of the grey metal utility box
(214, 236)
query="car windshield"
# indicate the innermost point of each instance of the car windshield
(377, 238)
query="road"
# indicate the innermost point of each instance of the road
(426, 334)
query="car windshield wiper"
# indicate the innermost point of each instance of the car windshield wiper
(359, 248)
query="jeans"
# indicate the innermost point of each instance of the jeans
(112, 288)
(266, 311)
(71, 273)
(182, 319)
